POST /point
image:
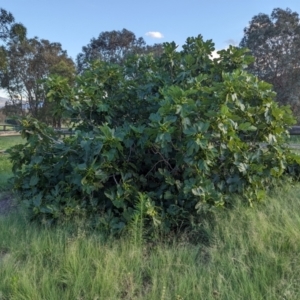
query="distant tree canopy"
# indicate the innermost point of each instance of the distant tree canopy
(8, 28)
(9, 31)
(274, 41)
(114, 46)
(27, 64)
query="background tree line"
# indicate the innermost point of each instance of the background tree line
(25, 63)
(274, 42)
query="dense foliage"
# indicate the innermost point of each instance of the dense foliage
(157, 139)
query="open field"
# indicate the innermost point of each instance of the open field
(243, 253)
(5, 165)
(7, 128)
(9, 141)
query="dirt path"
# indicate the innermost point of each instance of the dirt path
(6, 133)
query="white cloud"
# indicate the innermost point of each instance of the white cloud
(155, 34)
(214, 54)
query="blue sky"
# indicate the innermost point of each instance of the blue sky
(74, 22)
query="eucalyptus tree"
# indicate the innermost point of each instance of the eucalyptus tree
(274, 41)
(9, 29)
(114, 46)
(28, 64)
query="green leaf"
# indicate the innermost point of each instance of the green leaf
(102, 107)
(222, 127)
(82, 167)
(168, 195)
(198, 191)
(155, 117)
(247, 127)
(202, 127)
(37, 159)
(242, 167)
(190, 131)
(34, 180)
(224, 109)
(37, 200)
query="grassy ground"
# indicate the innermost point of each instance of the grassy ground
(246, 253)
(5, 172)
(295, 139)
(5, 165)
(7, 128)
(9, 141)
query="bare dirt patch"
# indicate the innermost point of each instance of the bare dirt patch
(9, 133)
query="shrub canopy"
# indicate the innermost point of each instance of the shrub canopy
(160, 138)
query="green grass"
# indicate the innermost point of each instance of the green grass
(9, 141)
(247, 254)
(5, 165)
(7, 128)
(5, 172)
(295, 138)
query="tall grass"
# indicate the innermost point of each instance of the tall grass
(246, 253)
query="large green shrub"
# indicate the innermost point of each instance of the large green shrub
(157, 139)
